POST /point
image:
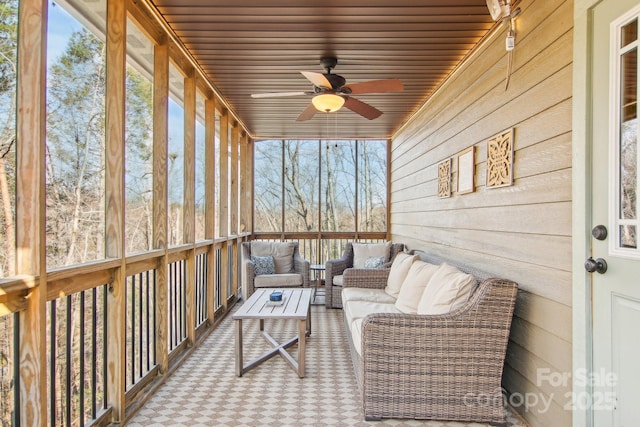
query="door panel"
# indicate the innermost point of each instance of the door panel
(614, 174)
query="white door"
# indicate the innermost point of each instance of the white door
(615, 175)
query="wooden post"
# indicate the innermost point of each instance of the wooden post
(160, 196)
(245, 184)
(388, 183)
(116, 50)
(188, 224)
(234, 189)
(224, 202)
(210, 199)
(30, 208)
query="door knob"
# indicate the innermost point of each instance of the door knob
(595, 265)
(599, 232)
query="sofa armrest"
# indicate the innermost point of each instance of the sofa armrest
(365, 278)
(301, 265)
(454, 359)
(335, 267)
(248, 275)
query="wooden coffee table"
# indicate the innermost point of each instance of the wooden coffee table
(296, 306)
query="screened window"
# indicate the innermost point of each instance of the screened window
(310, 186)
(138, 141)
(175, 156)
(8, 47)
(75, 140)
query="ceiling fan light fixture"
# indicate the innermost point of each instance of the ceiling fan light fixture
(327, 102)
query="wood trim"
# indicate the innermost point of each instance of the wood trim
(116, 50)
(188, 224)
(210, 200)
(224, 173)
(388, 184)
(30, 207)
(234, 187)
(244, 195)
(160, 195)
(78, 283)
(146, 22)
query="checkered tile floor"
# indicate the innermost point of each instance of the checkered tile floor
(205, 391)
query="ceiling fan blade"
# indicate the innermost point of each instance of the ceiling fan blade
(365, 110)
(376, 86)
(317, 79)
(279, 94)
(307, 114)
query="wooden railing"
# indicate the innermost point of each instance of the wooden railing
(194, 301)
(318, 248)
(78, 325)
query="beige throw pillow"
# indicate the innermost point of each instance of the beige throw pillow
(413, 286)
(362, 251)
(398, 272)
(447, 290)
(282, 253)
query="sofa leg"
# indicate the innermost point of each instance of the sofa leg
(371, 418)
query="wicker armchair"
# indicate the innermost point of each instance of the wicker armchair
(337, 267)
(439, 367)
(298, 276)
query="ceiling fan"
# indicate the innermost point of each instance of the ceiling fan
(330, 92)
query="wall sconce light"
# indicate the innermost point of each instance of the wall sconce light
(327, 102)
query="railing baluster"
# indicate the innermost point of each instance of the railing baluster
(183, 294)
(104, 346)
(170, 306)
(155, 326)
(81, 357)
(16, 369)
(94, 350)
(147, 317)
(68, 361)
(133, 328)
(140, 337)
(52, 364)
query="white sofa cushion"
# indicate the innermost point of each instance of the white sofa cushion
(398, 272)
(413, 286)
(359, 309)
(282, 253)
(356, 334)
(337, 280)
(447, 290)
(362, 251)
(278, 280)
(364, 294)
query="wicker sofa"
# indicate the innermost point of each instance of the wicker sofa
(441, 367)
(335, 268)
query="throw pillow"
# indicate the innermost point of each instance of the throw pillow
(373, 263)
(263, 265)
(414, 285)
(398, 272)
(448, 289)
(362, 251)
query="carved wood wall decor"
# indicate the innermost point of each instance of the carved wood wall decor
(466, 170)
(500, 160)
(444, 179)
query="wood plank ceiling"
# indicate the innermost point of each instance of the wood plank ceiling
(253, 46)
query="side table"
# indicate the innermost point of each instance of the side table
(317, 270)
